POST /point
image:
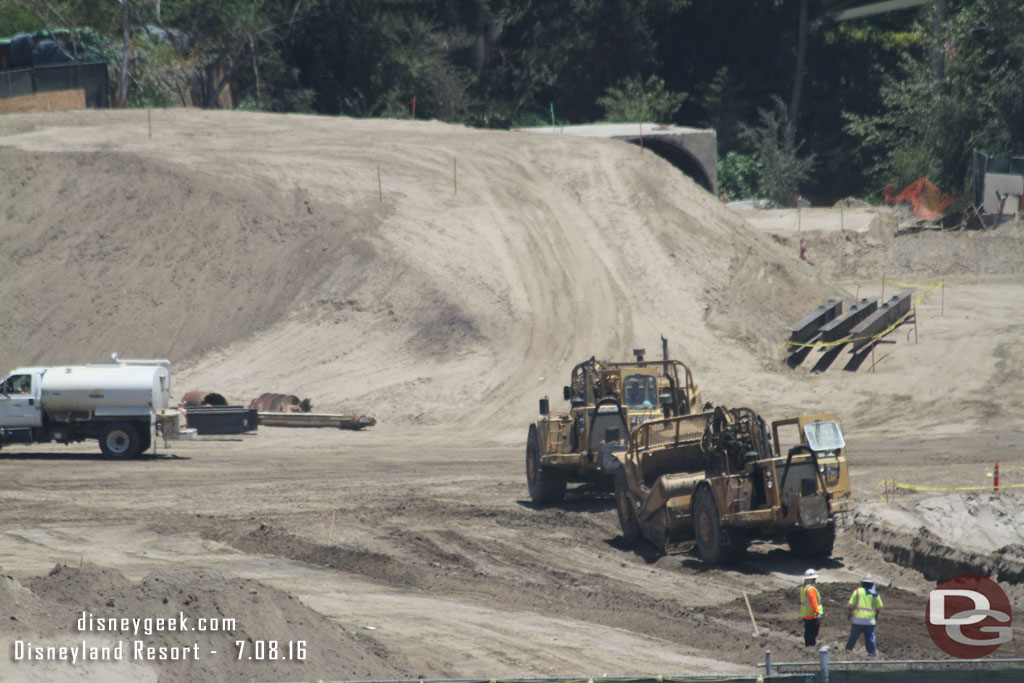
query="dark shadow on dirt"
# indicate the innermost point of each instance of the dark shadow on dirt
(798, 356)
(589, 504)
(858, 359)
(827, 358)
(777, 560)
(56, 457)
(643, 549)
(588, 497)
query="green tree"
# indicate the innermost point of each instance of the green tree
(633, 100)
(738, 175)
(774, 145)
(933, 117)
(234, 33)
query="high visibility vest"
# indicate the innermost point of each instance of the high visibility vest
(865, 606)
(807, 611)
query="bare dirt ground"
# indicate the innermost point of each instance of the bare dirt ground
(260, 253)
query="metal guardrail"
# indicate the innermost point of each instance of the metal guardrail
(825, 663)
(661, 678)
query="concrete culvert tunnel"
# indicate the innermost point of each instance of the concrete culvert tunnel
(694, 151)
(682, 159)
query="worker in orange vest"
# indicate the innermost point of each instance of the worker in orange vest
(811, 609)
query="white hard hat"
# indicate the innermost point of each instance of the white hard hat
(810, 574)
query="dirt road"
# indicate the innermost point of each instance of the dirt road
(432, 553)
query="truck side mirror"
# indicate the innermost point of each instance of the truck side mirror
(566, 394)
(544, 406)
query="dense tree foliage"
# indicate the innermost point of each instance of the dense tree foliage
(959, 88)
(875, 106)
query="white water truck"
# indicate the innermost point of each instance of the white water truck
(122, 404)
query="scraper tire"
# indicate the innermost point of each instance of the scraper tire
(707, 527)
(624, 505)
(546, 485)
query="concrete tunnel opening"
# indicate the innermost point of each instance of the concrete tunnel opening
(678, 157)
(694, 151)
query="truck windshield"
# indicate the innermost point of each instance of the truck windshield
(824, 435)
(641, 391)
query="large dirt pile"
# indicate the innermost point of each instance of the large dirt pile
(49, 610)
(416, 271)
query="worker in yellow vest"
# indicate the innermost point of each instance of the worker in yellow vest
(864, 606)
(811, 609)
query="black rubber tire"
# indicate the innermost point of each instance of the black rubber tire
(120, 440)
(624, 506)
(546, 485)
(812, 543)
(707, 527)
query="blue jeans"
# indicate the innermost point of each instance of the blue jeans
(869, 637)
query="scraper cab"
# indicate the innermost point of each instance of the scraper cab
(606, 401)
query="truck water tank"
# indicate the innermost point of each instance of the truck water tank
(111, 390)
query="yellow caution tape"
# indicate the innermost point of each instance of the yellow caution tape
(933, 285)
(850, 340)
(920, 487)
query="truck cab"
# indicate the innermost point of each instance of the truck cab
(19, 399)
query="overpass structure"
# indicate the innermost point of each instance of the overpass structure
(694, 151)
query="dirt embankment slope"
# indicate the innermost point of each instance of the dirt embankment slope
(430, 274)
(262, 252)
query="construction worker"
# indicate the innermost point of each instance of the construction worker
(863, 608)
(811, 609)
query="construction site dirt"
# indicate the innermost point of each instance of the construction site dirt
(410, 549)
(439, 550)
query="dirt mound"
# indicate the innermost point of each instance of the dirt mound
(932, 255)
(20, 608)
(260, 253)
(211, 613)
(949, 534)
(140, 255)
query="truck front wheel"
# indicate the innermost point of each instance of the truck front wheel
(120, 440)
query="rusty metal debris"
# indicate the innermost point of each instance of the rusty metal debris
(280, 403)
(298, 419)
(286, 410)
(204, 398)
